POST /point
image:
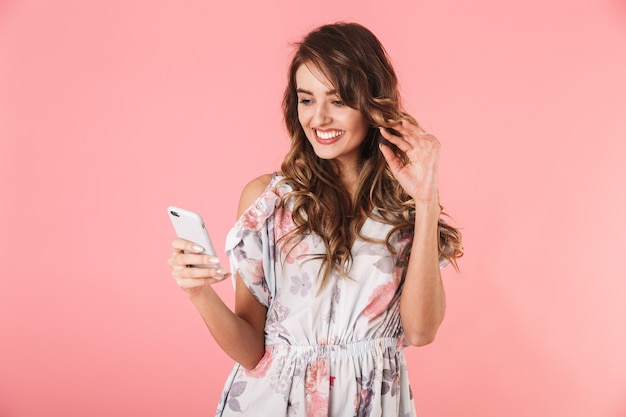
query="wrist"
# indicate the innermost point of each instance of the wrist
(427, 212)
(201, 295)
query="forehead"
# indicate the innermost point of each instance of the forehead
(311, 78)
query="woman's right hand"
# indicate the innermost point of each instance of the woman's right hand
(192, 279)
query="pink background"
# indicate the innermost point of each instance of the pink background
(112, 110)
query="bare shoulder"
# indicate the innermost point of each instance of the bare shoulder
(252, 191)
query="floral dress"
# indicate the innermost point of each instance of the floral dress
(332, 350)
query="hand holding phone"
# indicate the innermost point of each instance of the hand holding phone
(190, 226)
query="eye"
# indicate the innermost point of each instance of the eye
(304, 101)
(338, 103)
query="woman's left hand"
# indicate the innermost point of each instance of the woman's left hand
(419, 175)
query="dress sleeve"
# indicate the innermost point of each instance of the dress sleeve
(250, 246)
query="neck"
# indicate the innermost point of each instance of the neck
(349, 176)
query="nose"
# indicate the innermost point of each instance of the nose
(322, 115)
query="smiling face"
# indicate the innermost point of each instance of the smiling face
(334, 129)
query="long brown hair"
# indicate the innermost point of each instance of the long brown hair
(356, 64)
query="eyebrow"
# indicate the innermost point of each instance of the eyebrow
(303, 91)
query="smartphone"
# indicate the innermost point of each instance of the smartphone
(190, 226)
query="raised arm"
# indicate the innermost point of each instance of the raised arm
(422, 303)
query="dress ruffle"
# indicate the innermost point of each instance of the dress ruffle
(250, 245)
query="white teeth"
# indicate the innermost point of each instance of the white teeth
(329, 135)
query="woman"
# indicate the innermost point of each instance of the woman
(337, 257)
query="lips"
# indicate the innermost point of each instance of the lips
(328, 137)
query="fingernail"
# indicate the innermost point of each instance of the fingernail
(213, 260)
(198, 248)
(220, 271)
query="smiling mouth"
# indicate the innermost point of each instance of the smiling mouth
(329, 135)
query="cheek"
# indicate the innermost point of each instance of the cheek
(303, 117)
(359, 124)
(365, 126)
(354, 119)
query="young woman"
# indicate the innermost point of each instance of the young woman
(337, 257)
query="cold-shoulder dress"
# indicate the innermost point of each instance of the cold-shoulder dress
(331, 351)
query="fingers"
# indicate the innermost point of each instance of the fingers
(194, 269)
(412, 129)
(196, 273)
(192, 283)
(409, 126)
(193, 276)
(399, 141)
(392, 159)
(184, 259)
(179, 245)
(185, 253)
(410, 136)
(204, 266)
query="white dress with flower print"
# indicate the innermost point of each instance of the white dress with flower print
(334, 351)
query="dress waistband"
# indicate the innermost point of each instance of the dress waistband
(378, 345)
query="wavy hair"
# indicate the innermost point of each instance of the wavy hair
(357, 65)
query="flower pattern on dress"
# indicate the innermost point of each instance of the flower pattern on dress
(317, 386)
(283, 223)
(391, 376)
(254, 270)
(296, 251)
(262, 367)
(300, 284)
(380, 299)
(335, 297)
(365, 395)
(254, 218)
(275, 316)
(236, 390)
(334, 350)
(279, 383)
